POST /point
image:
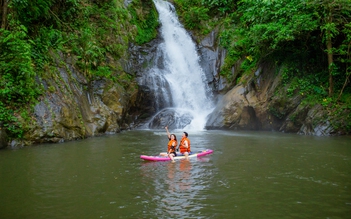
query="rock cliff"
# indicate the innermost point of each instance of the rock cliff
(259, 101)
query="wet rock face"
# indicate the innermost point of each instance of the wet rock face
(211, 60)
(141, 59)
(74, 109)
(316, 124)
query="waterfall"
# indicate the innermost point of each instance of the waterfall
(182, 95)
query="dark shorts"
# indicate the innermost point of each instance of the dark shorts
(174, 153)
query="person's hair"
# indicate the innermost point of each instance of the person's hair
(186, 134)
(175, 137)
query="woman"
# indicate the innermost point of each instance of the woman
(172, 144)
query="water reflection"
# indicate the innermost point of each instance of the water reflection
(185, 175)
(178, 185)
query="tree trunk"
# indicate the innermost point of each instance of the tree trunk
(330, 56)
(348, 74)
(330, 66)
(4, 13)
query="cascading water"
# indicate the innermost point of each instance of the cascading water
(182, 95)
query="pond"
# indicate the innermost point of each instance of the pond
(249, 175)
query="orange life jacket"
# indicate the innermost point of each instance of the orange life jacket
(171, 147)
(181, 145)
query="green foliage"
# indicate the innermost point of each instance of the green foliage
(340, 112)
(10, 122)
(91, 33)
(221, 6)
(16, 70)
(266, 26)
(232, 55)
(17, 84)
(32, 11)
(114, 38)
(103, 72)
(145, 21)
(46, 40)
(90, 55)
(226, 69)
(193, 14)
(313, 89)
(204, 8)
(37, 13)
(293, 33)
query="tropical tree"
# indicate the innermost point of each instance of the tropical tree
(333, 16)
(345, 51)
(279, 30)
(4, 7)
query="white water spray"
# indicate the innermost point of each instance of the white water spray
(180, 71)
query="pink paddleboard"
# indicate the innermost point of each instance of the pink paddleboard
(178, 157)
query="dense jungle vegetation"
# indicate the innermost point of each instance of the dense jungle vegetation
(309, 39)
(35, 34)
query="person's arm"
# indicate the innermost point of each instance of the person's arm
(168, 134)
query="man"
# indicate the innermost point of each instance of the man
(184, 145)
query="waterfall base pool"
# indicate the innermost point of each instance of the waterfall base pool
(249, 175)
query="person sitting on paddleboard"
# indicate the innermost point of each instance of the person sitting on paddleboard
(184, 145)
(172, 144)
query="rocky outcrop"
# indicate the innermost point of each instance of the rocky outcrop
(259, 101)
(212, 58)
(73, 108)
(262, 104)
(235, 111)
(141, 60)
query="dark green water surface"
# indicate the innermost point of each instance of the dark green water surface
(249, 175)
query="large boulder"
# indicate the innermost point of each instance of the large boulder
(235, 110)
(173, 118)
